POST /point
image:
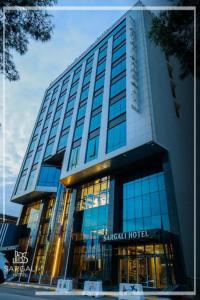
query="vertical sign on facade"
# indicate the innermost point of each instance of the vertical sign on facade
(133, 64)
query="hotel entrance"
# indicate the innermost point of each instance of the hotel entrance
(145, 264)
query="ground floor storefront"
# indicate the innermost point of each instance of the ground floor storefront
(118, 227)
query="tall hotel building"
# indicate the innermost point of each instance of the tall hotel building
(106, 183)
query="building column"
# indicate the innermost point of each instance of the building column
(68, 236)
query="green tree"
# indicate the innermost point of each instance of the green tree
(20, 26)
(173, 31)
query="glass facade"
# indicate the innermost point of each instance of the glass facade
(91, 218)
(116, 137)
(49, 176)
(145, 204)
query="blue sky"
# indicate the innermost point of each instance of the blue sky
(74, 32)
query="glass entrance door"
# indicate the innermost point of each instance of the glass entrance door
(149, 271)
(123, 269)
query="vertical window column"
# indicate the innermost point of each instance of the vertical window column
(62, 114)
(105, 106)
(34, 175)
(73, 122)
(26, 178)
(87, 114)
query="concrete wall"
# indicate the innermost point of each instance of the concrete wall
(177, 135)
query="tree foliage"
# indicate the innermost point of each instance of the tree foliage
(20, 26)
(173, 31)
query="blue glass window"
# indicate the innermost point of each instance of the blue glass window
(116, 137)
(118, 87)
(21, 184)
(95, 122)
(119, 52)
(53, 131)
(33, 143)
(101, 67)
(46, 123)
(119, 39)
(57, 114)
(143, 209)
(74, 157)
(37, 156)
(102, 53)
(117, 108)
(81, 112)
(51, 107)
(62, 141)
(31, 178)
(73, 89)
(70, 104)
(49, 148)
(37, 130)
(27, 161)
(99, 83)
(84, 94)
(120, 67)
(61, 99)
(67, 121)
(78, 132)
(97, 101)
(92, 148)
(89, 65)
(49, 176)
(87, 78)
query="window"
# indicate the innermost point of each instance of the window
(67, 121)
(84, 94)
(73, 89)
(33, 143)
(51, 107)
(95, 122)
(37, 155)
(117, 69)
(81, 112)
(61, 99)
(97, 101)
(70, 104)
(46, 123)
(31, 177)
(49, 147)
(87, 78)
(42, 138)
(49, 176)
(89, 65)
(145, 203)
(116, 137)
(58, 113)
(65, 84)
(118, 86)
(101, 67)
(119, 52)
(27, 161)
(92, 148)
(37, 129)
(74, 157)
(63, 140)
(99, 83)
(117, 108)
(78, 132)
(119, 37)
(93, 195)
(53, 130)
(21, 184)
(102, 52)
